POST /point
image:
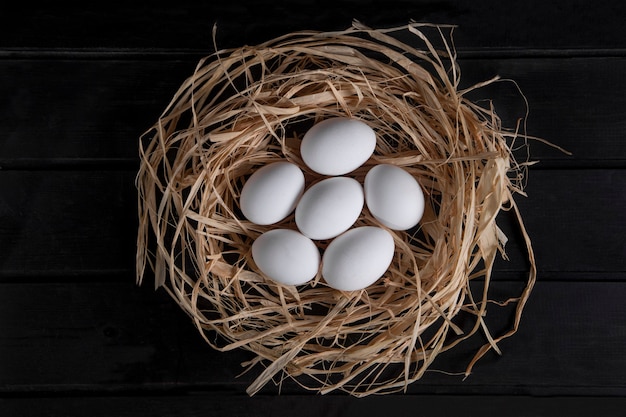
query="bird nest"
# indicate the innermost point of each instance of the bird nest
(244, 108)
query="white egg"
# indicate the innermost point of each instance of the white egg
(329, 207)
(286, 256)
(337, 145)
(357, 258)
(272, 192)
(394, 197)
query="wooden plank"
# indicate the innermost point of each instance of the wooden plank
(572, 103)
(63, 222)
(69, 109)
(114, 337)
(573, 220)
(228, 404)
(533, 24)
(101, 336)
(81, 111)
(75, 223)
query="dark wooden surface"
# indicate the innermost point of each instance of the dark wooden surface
(80, 85)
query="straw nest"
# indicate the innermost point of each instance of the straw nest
(246, 107)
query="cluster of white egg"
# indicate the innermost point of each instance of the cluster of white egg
(356, 257)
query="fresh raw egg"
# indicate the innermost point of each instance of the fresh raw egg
(272, 192)
(338, 145)
(329, 207)
(286, 256)
(393, 196)
(357, 258)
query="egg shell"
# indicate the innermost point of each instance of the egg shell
(337, 145)
(272, 192)
(357, 258)
(286, 256)
(393, 197)
(329, 207)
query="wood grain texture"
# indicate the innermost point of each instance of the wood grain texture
(81, 111)
(71, 223)
(81, 84)
(533, 24)
(114, 337)
(229, 404)
(67, 222)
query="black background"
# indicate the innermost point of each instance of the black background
(80, 85)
